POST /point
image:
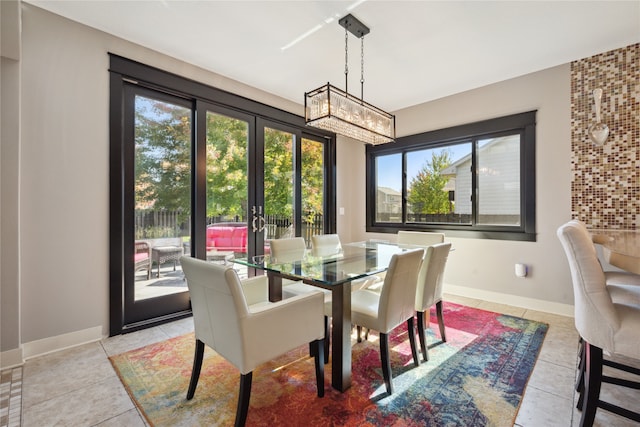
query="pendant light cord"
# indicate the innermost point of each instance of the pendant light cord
(362, 68)
(346, 60)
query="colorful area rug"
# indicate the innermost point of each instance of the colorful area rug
(476, 378)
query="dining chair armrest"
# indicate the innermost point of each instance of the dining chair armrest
(273, 329)
(255, 289)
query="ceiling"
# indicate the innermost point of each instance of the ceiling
(417, 51)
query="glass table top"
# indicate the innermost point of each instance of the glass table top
(353, 261)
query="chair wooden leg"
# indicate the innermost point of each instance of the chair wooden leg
(386, 362)
(580, 381)
(243, 399)
(312, 347)
(421, 336)
(443, 335)
(319, 362)
(358, 332)
(195, 372)
(592, 383)
(327, 339)
(412, 340)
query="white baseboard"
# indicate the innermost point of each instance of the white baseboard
(517, 301)
(61, 342)
(11, 358)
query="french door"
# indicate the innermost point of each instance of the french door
(260, 176)
(191, 177)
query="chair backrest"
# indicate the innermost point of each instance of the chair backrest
(421, 238)
(218, 306)
(595, 315)
(431, 276)
(287, 250)
(424, 239)
(325, 244)
(397, 297)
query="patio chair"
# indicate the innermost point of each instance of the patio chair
(142, 257)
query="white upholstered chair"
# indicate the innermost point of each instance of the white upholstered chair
(290, 250)
(430, 279)
(417, 238)
(606, 321)
(329, 244)
(236, 319)
(429, 290)
(395, 304)
(325, 244)
(421, 238)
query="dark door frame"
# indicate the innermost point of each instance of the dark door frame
(124, 72)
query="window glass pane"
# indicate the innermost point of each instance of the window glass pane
(499, 180)
(389, 188)
(312, 188)
(162, 195)
(439, 185)
(278, 183)
(226, 232)
(226, 169)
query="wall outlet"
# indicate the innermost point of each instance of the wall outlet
(521, 270)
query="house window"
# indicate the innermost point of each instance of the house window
(475, 180)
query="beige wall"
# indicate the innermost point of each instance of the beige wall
(61, 183)
(485, 268)
(9, 193)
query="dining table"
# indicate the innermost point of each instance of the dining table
(334, 272)
(620, 248)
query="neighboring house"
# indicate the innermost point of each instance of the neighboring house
(498, 175)
(388, 201)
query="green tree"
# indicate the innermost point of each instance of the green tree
(312, 178)
(226, 166)
(163, 164)
(426, 193)
(278, 172)
(163, 156)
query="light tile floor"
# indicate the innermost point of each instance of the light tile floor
(78, 387)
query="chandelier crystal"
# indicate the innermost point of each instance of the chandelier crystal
(338, 111)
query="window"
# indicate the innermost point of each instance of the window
(475, 180)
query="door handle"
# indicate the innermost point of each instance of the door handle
(254, 227)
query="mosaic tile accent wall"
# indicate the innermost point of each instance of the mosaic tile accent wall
(605, 186)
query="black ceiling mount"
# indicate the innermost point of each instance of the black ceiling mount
(354, 26)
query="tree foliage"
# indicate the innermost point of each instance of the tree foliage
(163, 164)
(227, 183)
(163, 156)
(426, 193)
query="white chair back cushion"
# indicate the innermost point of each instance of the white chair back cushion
(397, 297)
(218, 306)
(287, 250)
(431, 276)
(326, 244)
(595, 315)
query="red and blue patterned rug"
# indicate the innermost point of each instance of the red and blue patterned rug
(477, 378)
